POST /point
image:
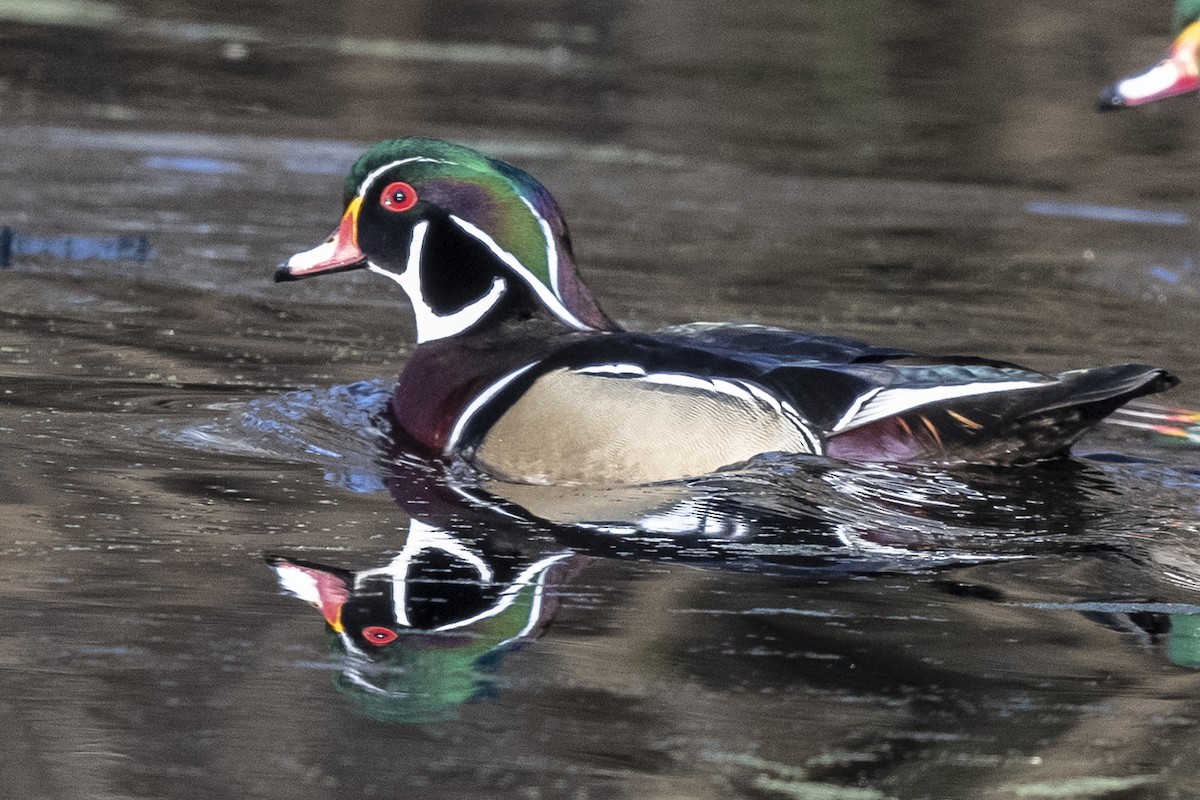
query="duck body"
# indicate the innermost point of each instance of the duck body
(621, 407)
(519, 372)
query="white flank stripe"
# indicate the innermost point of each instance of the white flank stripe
(630, 370)
(770, 400)
(789, 411)
(478, 403)
(692, 382)
(889, 402)
(544, 293)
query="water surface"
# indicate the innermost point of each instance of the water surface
(191, 452)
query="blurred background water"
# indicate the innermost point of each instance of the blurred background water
(190, 451)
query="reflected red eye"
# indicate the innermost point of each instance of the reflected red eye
(398, 196)
(376, 635)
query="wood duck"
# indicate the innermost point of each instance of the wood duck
(519, 372)
(1176, 74)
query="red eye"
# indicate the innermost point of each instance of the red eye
(398, 196)
(379, 636)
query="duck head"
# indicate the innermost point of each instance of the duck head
(472, 240)
(1176, 74)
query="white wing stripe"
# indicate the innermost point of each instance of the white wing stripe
(888, 402)
(855, 407)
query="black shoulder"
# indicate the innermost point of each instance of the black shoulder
(778, 346)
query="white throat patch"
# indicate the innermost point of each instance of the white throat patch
(430, 324)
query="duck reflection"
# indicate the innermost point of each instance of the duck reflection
(485, 564)
(420, 634)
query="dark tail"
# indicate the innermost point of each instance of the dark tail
(1053, 419)
(1099, 391)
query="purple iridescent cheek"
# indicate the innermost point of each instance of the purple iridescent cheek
(469, 201)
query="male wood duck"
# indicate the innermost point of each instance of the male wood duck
(519, 372)
(1176, 74)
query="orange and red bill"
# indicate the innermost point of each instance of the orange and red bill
(338, 253)
(1177, 74)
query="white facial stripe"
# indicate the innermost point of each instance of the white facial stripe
(422, 537)
(551, 248)
(889, 402)
(430, 324)
(478, 403)
(544, 293)
(548, 295)
(367, 181)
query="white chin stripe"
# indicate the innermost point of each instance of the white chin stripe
(422, 537)
(430, 324)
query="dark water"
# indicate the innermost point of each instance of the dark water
(188, 447)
